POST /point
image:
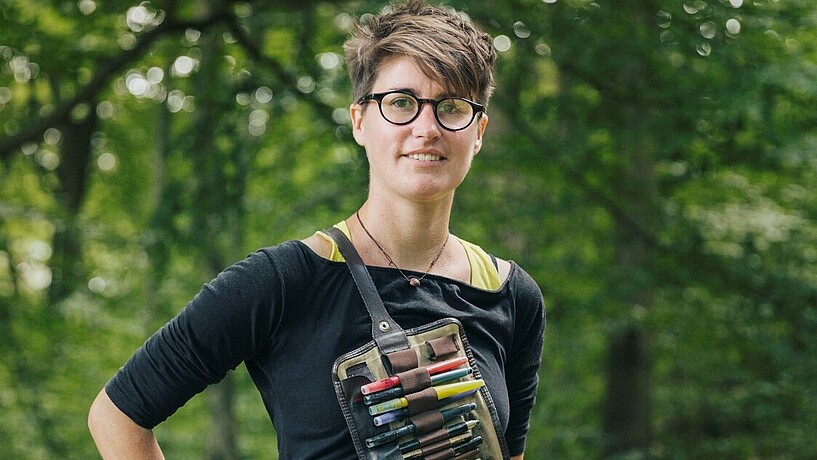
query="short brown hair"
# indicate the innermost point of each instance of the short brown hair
(445, 45)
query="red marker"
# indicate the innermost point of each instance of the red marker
(393, 381)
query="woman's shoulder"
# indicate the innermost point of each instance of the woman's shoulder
(487, 271)
(284, 253)
(523, 285)
(321, 246)
(289, 262)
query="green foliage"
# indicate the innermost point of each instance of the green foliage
(650, 163)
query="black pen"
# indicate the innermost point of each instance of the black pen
(470, 455)
(466, 447)
(393, 435)
(450, 432)
(432, 448)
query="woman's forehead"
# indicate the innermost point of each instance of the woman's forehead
(404, 73)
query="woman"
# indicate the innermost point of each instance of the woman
(422, 76)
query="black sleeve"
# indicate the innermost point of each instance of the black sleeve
(228, 321)
(522, 367)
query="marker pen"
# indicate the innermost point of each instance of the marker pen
(394, 380)
(442, 392)
(400, 414)
(469, 447)
(393, 435)
(430, 449)
(445, 377)
(450, 431)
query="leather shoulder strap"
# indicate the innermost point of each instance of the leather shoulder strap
(388, 335)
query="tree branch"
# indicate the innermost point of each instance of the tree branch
(287, 78)
(100, 80)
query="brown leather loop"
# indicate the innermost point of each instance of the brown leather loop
(422, 401)
(433, 437)
(436, 447)
(427, 422)
(414, 380)
(442, 347)
(402, 360)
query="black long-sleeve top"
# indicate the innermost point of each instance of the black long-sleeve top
(289, 313)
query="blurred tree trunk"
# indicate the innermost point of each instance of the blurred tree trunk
(626, 412)
(216, 230)
(72, 172)
(626, 417)
(66, 265)
(159, 235)
(221, 442)
(627, 428)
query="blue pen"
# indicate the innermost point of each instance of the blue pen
(400, 414)
(393, 435)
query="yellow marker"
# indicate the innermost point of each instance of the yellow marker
(443, 391)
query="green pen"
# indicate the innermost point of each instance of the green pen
(398, 391)
(390, 436)
(393, 435)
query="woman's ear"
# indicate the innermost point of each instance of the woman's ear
(483, 122)
(356, 114)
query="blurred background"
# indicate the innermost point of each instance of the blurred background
(651, 163)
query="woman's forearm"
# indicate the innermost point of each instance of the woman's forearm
(117, 436)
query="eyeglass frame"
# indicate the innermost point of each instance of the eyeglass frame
(475, 106)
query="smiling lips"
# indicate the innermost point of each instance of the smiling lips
(424, 157)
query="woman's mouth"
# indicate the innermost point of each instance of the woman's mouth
(424, 157)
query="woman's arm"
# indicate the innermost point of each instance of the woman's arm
(117, 436)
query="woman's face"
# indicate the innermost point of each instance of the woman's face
(420, 161)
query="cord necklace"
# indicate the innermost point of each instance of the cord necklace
(413, 280)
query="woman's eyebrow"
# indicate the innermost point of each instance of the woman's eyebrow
(439, 96)
(404, 90)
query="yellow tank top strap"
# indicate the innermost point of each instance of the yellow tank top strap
(484, 274)
(336, 256)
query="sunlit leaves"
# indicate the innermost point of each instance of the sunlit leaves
(720, 92)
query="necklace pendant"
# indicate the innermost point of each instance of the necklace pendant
(414, 281)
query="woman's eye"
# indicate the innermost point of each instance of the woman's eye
(450, 107)
(447, 107)
(403, 103)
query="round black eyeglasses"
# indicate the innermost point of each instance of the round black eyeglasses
(399, 108)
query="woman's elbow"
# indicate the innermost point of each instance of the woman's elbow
(99, 413)
(116, 435)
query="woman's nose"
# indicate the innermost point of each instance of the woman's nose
(426, 125)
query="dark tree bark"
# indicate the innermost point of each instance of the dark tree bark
(632, 178)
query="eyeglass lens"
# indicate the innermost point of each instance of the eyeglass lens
(402, 108)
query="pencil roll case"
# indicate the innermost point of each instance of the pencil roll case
(413, 394)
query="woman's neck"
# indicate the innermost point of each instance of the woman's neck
(411, 235)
